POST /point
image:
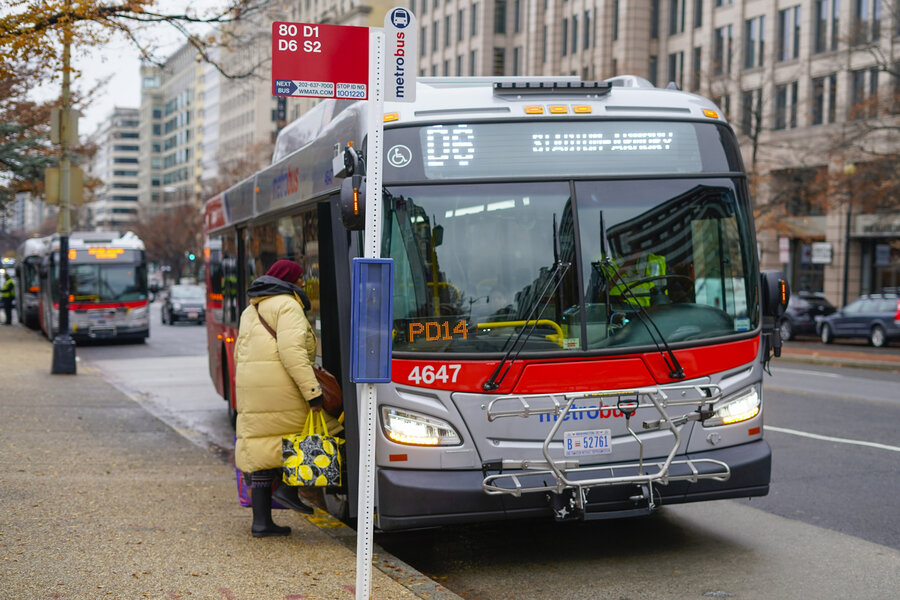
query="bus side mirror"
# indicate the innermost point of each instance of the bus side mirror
(353, 202)
(774, 293)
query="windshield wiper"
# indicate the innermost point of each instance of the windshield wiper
(537, 308)
(675, 369)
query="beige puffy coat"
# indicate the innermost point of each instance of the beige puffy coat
(273, 380)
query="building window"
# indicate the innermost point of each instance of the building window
(517, 52)
(698, 14)
(499, 61)
(696, 69)
(786, 106)
(423, 38)
(586, 37)
(866, 21)
(817, 101)
(826, 13)
(652, 69)
(460, 22)
(676, 68)
(459, 66)
(857, 93)
(499, 16)
(544, 45)
(754, 42)
(574, 34)
(723, 50)
(565, 36)
(517, 16)
(676, 16)
(789, 33)
(474, 22)
(751, 111)
(720, 3)
(447, 32)
(473, 62)
(654, 17)
(434, 36)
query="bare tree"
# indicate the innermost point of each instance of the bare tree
(170, 235)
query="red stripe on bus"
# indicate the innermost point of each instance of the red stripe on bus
(103, 305)
(573, 375)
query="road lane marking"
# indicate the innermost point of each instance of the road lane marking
(827, 438)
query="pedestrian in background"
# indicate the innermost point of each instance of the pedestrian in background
(275, 388)
(8, 293)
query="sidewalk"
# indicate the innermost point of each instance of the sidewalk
(102, 500)
(839, 357)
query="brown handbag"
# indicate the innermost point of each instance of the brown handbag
(332, 397)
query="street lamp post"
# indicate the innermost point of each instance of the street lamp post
(63, 344)
(849, 172)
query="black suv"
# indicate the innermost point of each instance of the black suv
(874, 316)
(185, 303)
(803, 310)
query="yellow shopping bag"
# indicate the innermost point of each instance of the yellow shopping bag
(313, 457)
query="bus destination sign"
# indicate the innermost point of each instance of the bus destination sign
(320, 61)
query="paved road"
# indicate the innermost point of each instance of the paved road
(794, 543)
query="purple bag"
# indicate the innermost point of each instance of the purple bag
(244, 490)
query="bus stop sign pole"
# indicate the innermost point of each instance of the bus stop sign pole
(372, 248)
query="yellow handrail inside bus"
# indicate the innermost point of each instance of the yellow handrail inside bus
(558, 338)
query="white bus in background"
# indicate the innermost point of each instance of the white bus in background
(28, 261)
(108, 296)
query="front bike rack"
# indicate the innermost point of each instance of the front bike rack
(568, 477)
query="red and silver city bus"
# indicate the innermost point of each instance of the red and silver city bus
(108, 296)
(580, 326)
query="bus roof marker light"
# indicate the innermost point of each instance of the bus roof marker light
(534, 110)
(559, 109)
(710, 113)
(391, 117)
(582, 110)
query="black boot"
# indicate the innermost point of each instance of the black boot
(263, 526)
(288, 496)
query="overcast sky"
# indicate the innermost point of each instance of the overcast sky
(119, 61)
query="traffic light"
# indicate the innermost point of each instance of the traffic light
(191, 256)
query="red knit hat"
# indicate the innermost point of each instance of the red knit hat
(285, 270)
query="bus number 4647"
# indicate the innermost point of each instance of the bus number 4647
(428, 374)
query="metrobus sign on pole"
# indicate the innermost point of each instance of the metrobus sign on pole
(320, 61)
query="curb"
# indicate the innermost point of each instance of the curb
(835, 361)
(390, 565)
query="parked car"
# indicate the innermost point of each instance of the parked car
(803, 310)
(874, 316)
(185, 303)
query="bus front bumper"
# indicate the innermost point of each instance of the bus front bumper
(415, 498)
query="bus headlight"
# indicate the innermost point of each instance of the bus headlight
(414, 429)
(742, 406)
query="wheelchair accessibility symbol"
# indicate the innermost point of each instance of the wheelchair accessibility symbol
(399, 156)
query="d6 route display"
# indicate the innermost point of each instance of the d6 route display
(320, 61)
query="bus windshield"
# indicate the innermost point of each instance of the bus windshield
(107, 282)
(473, 263)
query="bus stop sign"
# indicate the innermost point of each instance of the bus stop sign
(320, 61)
(371, 320)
